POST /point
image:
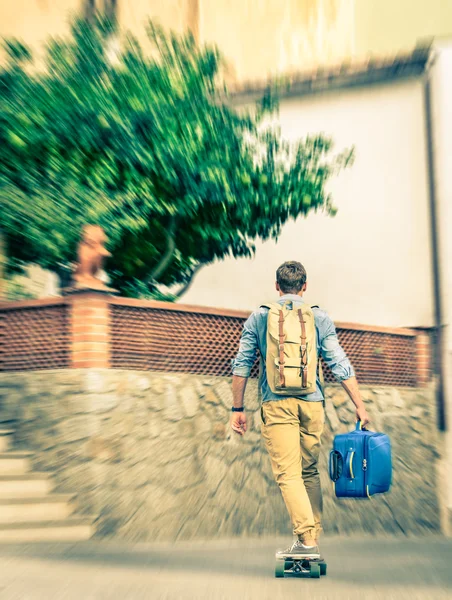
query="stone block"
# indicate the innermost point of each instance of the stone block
(256, 483)
(256, 419)
(345, 416)
(173, 410)
(340, 398)
(118, 424)
(164, 451)
(153, 428)
(186, 430)
(100, 402)
(226, 496)
(76, 476)
(77, 428)
(158, 385)
(219, 431)
(215, 472)
(241, 515)
(211, 398)
(238, 473)
(96, 382)
(185, 474)
(396, 398)
(143, 383)
(198, 387)
(252, 438)
(331, 415)
(189, 400)
(135, 476)
(155, 402)
(418, 412)
(158, 500)
(252, 401)
(224, 391)
(203, 425)
(212, 381)
(104, 449)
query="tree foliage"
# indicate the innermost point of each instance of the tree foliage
(149, 147)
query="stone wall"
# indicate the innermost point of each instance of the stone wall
(153, 456)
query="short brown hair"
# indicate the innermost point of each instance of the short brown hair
(291, 277)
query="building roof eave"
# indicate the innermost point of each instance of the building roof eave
(348, 74)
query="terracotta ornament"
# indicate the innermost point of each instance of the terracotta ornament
(91, 256)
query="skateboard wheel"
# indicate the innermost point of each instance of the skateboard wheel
(322, 568)
(288, 564)
(279, 568)
(315, 570)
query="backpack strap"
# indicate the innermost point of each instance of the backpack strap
(319, 362)
(282, 379)
(304, 355)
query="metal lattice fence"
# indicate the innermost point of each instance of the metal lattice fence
(199, 343)
(34, 338)
(379, 358)
(168, 340)
(158, 337)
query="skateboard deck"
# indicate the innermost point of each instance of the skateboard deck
(300, 567)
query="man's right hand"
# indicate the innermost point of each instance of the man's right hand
(361, 415)
(238, 422)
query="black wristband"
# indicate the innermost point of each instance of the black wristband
(241, 409)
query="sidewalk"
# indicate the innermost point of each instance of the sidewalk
(364, 569)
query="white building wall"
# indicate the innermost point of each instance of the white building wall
(372, 262)
(442, 123)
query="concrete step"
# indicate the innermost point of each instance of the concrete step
(14, 463)
(30, 485)
(41, 509)
(73, 529)
(6, 439)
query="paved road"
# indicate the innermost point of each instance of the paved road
(242, 569)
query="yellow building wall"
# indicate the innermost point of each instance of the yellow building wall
(257, 37)
(386, 26)
(177, 15)
(34, 20)
(262, 37)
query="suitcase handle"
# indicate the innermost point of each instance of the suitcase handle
(336, 465)
(359, 426)
(349, 464)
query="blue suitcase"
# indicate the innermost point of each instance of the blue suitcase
(361, 463)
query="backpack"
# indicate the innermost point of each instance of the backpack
(292, 357)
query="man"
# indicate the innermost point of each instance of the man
(292, 425)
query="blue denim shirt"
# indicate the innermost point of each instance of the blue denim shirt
(254, 337)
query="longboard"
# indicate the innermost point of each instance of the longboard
(300, 567)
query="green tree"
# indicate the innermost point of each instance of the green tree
(150, 148)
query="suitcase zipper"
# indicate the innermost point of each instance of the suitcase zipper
(365, 457)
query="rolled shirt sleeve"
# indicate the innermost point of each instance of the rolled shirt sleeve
(331, 351)
(246, 356)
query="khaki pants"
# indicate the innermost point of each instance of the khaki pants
(292, 429)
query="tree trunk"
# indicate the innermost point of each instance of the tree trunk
(187, 285)
(169, 253)
(89, 9)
